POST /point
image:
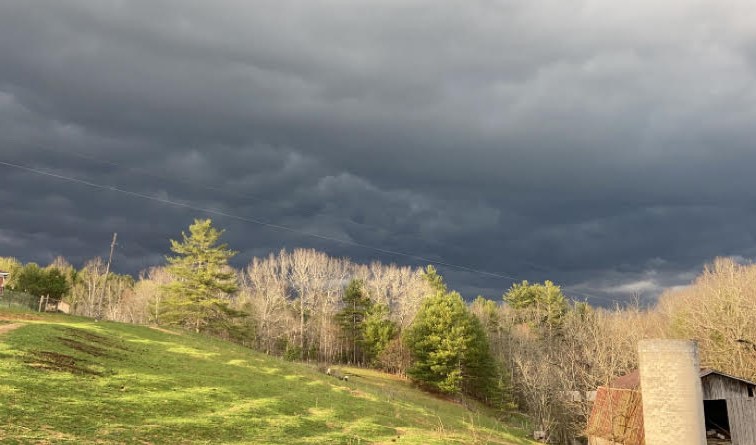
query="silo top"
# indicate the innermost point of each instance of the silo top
(664, 345)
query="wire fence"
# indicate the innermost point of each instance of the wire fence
(20, 300)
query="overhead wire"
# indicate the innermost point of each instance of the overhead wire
(223, 191)
(252, 220)
(195, 184)
(269, 224)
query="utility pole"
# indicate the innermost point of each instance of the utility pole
(107, 272)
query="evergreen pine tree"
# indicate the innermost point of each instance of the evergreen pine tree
(433, 278)
(449, 349)
(203, 280)
(377, 331)
(352, 316)
(481, 377)
(541, 305)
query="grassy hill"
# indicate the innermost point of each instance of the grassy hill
(70, 380)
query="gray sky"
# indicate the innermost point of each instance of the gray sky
(606, 146)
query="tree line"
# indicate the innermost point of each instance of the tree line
(533, 349)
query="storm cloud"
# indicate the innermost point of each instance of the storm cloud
(605, 146)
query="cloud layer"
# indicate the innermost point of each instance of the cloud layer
(608, 147)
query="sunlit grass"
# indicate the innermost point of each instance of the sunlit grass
(70, 380)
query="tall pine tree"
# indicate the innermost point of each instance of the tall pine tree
(198, 296)
(541, 305)
(377, 331)
(352, 317)
(449, 348)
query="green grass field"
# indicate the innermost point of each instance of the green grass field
(70, 380)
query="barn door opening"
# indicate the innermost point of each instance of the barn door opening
(717, 420)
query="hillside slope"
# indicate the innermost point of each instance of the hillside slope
(70, 380)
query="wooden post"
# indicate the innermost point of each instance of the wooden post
(40, 303)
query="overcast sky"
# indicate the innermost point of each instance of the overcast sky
(608, 146)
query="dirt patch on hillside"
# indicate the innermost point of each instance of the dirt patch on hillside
(9, 327)
(80, 336)
(81, 340)
(84, 347)
(55, 361)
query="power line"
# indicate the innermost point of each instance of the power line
(222, 191)
(193, 183)
(150, 174)
(253, 221)
(273, 225)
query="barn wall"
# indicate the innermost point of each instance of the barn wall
(742, 414)
(718, 387)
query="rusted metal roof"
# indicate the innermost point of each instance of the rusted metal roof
(627, 381)
(617, 415)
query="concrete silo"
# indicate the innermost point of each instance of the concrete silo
(673, 411)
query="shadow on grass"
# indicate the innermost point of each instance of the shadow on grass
(163, 388)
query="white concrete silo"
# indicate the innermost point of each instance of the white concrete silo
(673, 412)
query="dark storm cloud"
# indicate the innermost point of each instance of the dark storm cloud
(607, 147)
